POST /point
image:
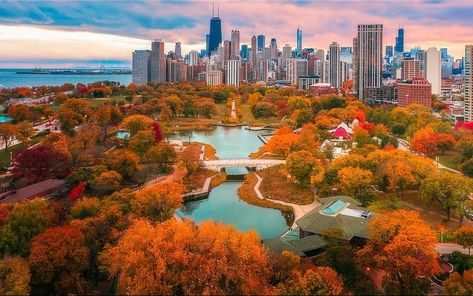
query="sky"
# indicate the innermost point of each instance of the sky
(65, 33)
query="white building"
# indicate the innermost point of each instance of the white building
(232, 72)
(214, 77)
(335, 65)
(433, 69)
(140, 66)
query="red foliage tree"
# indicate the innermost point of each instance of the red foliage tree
(360, 115)
(40, 163)
(77, 191)
(368, 126)
(158, 135)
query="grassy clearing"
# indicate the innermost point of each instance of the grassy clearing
(450, 159)
(197, 179)
(247, 117)
(189, 124)
(275, 185)
(248, 194)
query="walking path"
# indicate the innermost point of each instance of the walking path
(233, 113)
(177, 174)
(299, 210)
(448, 248)
(202, 191)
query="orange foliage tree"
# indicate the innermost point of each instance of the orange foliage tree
(424, 141)
(281, 143)
(318, 281)
(180, 258)
(159, 201)
(59, 256)
(403, 246)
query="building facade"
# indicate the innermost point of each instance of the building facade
(415, 91)
(335, 65)
(469, 83)
(410, 68)
(232, 72)
(158, 62)
(141, 63)
(433, 69)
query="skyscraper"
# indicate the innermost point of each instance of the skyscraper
(178, 50)
(215, 34)
(286, 53)
(389, 51)
(334, 59)
(273, 45)
(433, 66)
(320, 55)
(400, 40)
(235, 44)
(232, 72)
(254, 48)
(140, 66)
(368, 57)
(158, 62)
(299, 42)
(244, 52)
(261, 42)
(469, 83)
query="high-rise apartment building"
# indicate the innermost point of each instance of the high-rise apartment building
(235, 44)
(273, 49)
(232, 72)
(334, 60)
(389, 51)
(433, 68)
(368, 57)
(320, 55)
(321, 69)
(227, 48)
(141, 63)
(286, 53)
(400, 41)
(215, 34)
(214, 77)
(158, 62)
(193, 58)
(410, 68)
(469, 83)
(261, 42)
(299, 42)
(254, 49)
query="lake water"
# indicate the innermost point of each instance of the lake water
(223, 203)
(9, 78)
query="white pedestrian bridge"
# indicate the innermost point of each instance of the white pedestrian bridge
(258, 164)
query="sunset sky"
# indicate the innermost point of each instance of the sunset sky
(85, 33)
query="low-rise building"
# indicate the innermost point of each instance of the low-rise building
(415, 91)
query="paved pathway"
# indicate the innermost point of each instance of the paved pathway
(299, 210)
(177, 174)
(233, 113)
(204, 190)
(448, 248)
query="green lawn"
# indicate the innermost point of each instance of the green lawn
(450, 159)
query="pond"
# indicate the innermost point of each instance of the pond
(5, 118)
(223, 203)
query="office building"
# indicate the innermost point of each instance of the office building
(215, 34)
(444, 54)
(320, 55)
(244, 52)
(469, 83)
(389, 51)
(286, 53)
(321, 69)
(399, 48)
(261, 42)
(410, 68)
(158, 62)
(306, 81)
(415, 91)
(254, 50)
(214, 77)
(226, 53)
(273, 46)
(433, 66)
(232, 72)
(193, 58)
(178, 50)
(367, 57)
(299, 42)
(334, 62)
(235, 44)
(141, 63)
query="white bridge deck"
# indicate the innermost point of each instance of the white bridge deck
(258, 164)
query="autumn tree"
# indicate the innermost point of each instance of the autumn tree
(399, 174)
(25, 132)
(424, 141)
(106, 182)
(136, 123)
(284, 266)
(125, 162)
(181, 258)
(8, 134)
(354, 181)
(317, 281)
(450, 190)
(58, 257)
(141, 142)
(162, 155)
(445, 142)
(464, 236)
(457, 284)
(23, 222)
(14, 276)
(159, 201)
(85, 207)
(40, 163)
(282, 143)
(300, 165)
(86, 137)
(68, 120)
(403, 246)
(190, 158)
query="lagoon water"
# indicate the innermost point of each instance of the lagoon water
(223, 203)
(9, 78)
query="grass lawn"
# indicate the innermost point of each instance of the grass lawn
(275, 185)
(450, 159)
(247, 117)
(14, 150)
(247, 193)
(197, 179)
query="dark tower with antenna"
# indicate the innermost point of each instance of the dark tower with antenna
(215, 34)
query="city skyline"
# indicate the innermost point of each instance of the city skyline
(108, 38)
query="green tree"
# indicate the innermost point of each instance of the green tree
(301, 165)
(141, 142)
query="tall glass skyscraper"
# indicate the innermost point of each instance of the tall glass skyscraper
(215, 34)
(299, 41)
(399, 40)
(261, 42)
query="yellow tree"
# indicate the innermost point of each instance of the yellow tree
(403, 246)
(399, 174)
(136, 123)
(159, 201)
(458, 284)
(14, 276)
(317, 281)
(354, 180)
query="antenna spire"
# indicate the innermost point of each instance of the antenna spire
(213, 9)
(218, 9)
